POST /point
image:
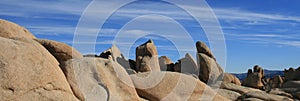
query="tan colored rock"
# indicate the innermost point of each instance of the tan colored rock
(231, 79)
(164, 62)
(276, 82)
(28, 72)
(61, 51)
(101, 79)
(291, 84)
(264, 96)
(254, 79)
(147, 57)
(277, 91)
(229, 94)
(252, 99)
(258, 69)
(13, 30)
(209, 69)
(203, 48)
(294, 91)
(114, 52)
(292, 74)
(187, 65)
(172, 86)
(237, 88)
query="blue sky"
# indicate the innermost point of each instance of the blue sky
(256, 32)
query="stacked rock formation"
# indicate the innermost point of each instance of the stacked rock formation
(147, 57)
(210, 70)
(254, 78)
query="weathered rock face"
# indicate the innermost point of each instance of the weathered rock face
(62, 52)
(264, 96)
(147, 57)
(276, 82)
(291, 84)
(12, 30)
(209, 70)
(229, 94)
(164, 62)
(277, 91)
(231, 79)
(172, 86)
(254, 79)
(187, 65)
(203, 48)
(237, 88)
(101, 79)
(293, 91)
(29, 72)
(114, 52)
(292, 74)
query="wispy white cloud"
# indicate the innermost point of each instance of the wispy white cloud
(266, 39)
(30, 8)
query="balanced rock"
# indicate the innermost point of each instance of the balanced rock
(100, 79)
(203, 48)
(172, 86)
(12, 30)
(254, 79)
(147, 57)
(209, 70)
(231, 79)
(62, 52)
(30, 73)
(292, 74)
(164, 63)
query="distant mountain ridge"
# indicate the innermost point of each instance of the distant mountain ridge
(268, 74)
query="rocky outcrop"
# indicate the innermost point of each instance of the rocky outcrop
(291, 74)
(264, 96)
(203, 48)
(101, 79)
(187, 65)
(229, 94)
(12, 30)
(237, 88)
(276, 82)
(209, 70)
(254, 79)
(291, 84)
(164, 63)
(231, 79)
(62, 52)
(147, 57)
(29, 72)
(172, 86)
(113, 52)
